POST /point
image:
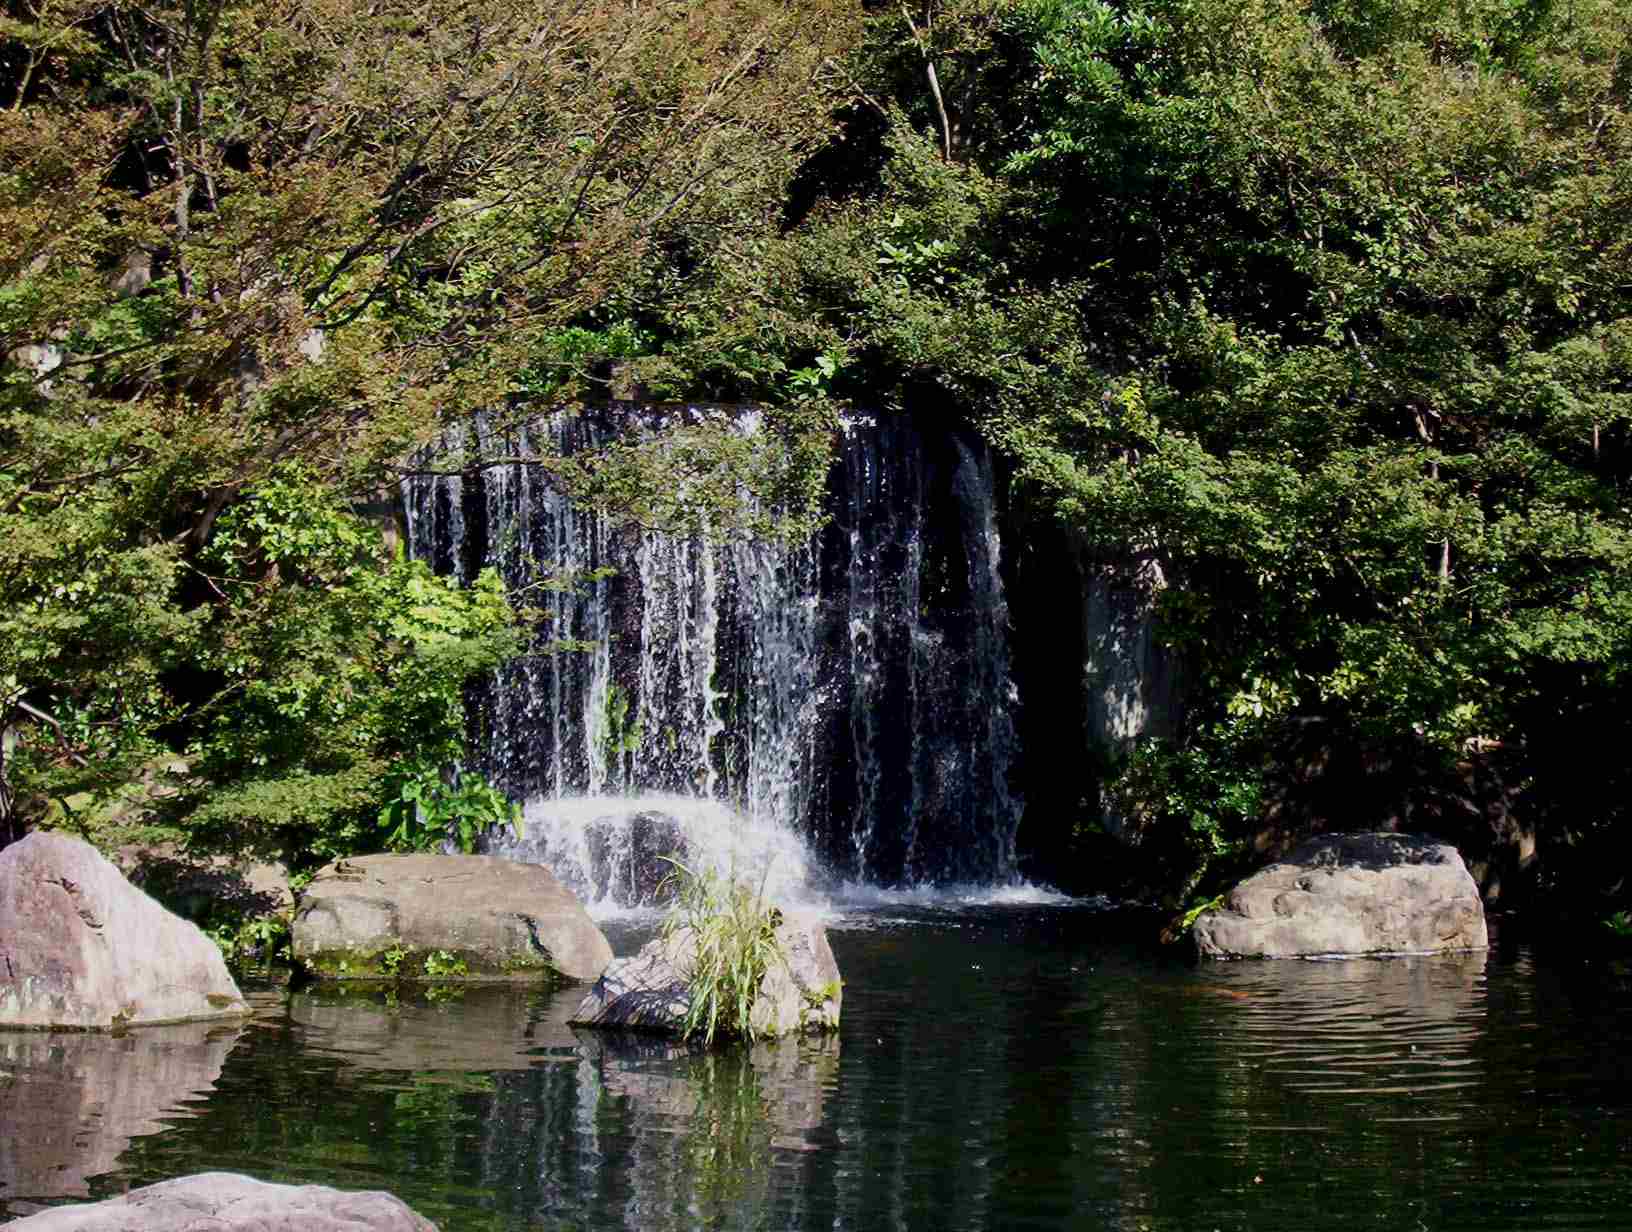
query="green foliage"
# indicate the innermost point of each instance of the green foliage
(1325, 306)
(1322, 307)
(255, 939)
(423, 810)
(398, 963)
(730, 932)
(1195, 911)
(442, 965)
(1191, 805)
(338, 671)
(250, 260)
(621, 734)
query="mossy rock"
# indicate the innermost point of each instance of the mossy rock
(438, 919)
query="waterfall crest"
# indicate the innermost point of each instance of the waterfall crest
(852, 693)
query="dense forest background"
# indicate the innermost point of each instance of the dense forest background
(1322, 306)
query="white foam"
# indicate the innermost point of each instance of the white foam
(953, 897)
(602, 850)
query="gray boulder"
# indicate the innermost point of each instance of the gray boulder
(82, 947)
(444, 918)
(651, 990)
(227, 1202)
(1350, 894)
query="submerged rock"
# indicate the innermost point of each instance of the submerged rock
(82, 947)
(651, 990)
(436, 917)
(227, 1202)
(1350, 894)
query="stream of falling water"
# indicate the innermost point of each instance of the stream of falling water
(839, 710)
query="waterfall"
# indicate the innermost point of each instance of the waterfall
(851, 693)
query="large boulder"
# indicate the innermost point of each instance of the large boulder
(651, 990)
(1350, 894)
(227, 1202)
(82, 947)
(436, 917)
(629, 855)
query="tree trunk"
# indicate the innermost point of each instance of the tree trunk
(11, 826)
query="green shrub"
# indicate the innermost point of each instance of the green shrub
(422, 809)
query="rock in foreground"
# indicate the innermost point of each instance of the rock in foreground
(82, 947)
(227, 1202)
(651, 991)
(435, 917)
(1350, 894)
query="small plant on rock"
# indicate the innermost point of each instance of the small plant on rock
(732, 931)
(444, 964)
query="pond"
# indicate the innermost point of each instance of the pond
(998, 1067)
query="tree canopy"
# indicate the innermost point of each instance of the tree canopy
(1326, 305)
(252, 255)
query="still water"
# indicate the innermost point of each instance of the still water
(998, 1067)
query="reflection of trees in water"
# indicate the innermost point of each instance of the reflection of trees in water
(1073, 1088)
(70, 1103)
(1282, 1069)
(986, 1083)
(669, 1136)
(365, 1089)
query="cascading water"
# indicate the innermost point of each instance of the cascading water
(843, 705)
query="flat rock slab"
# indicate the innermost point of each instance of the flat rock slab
(1350, 894)
(444, 918)
(227, 1202)
(82, 947)
(651, 991)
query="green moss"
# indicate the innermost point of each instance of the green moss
(516, 964)
(397, 963)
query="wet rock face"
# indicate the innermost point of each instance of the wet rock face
(651, 990)
(1350, 894)
(82, 947)
(629, 858)
(227, 1202)
(436, 917)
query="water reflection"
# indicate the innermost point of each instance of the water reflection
(1354, 1031)
(1248, 1083)
(586, 1128)
(1000, 1070)
(71, 1102)
(655, 1135)
(434, 1029)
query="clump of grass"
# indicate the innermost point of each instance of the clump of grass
(733, 937)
